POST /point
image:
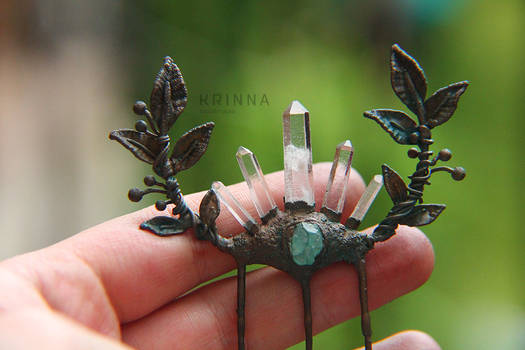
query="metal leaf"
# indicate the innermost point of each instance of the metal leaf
(190, 147)
(209, 208)
(168, 97)
(423, 214)
(442, 104)
(394, 185)
(165, 226)
(145, 146)
(408, 81)
(396, 123)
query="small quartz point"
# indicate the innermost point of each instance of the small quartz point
(259, 191)
(334, 197)
(232, 204)
(367, 198)
(298, 177)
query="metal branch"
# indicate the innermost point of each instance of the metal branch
(153, 190)
(151, 123)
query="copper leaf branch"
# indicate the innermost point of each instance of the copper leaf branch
(167, 102)
(410, 85)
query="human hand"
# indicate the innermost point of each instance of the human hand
(114, 286)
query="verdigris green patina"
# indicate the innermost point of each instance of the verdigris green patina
(306, 243)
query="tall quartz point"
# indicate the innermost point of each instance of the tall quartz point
(334, 197)
(365, 201)
(259, 191)
(233, 205)
(298, 177)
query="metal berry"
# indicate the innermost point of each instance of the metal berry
(459, 173)
(413, 152)
(160, 205)
(445, 155)
(139, 108)
(149, 180)
(135, 195)
(141, 126)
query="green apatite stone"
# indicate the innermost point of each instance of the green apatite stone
(306, 244)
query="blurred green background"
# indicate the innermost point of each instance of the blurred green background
(333, 57)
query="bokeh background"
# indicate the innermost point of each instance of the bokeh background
(71, 70)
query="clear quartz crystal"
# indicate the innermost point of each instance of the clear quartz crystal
(232, 204)
(334, 197)
(298, 178)
(259, 191)
(367, 198)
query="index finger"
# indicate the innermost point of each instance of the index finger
(142, 272)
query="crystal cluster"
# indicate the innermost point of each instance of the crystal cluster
(259, 191)
(307, 239)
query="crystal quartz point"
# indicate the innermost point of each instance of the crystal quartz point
(366, 200)
(298, 178)
(259, 191)
(334, 197)
(233, 205)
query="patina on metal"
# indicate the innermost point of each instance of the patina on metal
(298, 240)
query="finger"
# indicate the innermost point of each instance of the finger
(206, 318)
(49, 331)
(141, 272)
(407, 340)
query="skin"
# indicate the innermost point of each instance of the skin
(114, 286)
